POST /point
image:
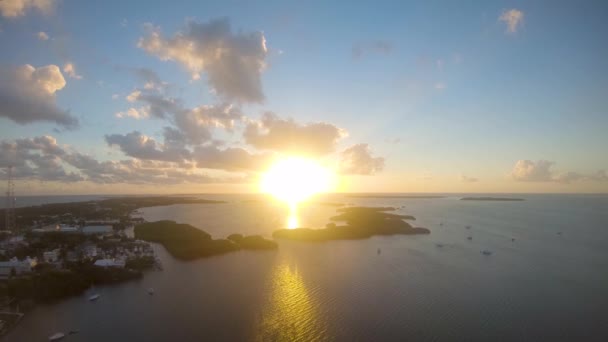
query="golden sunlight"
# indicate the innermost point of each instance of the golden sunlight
(293, 180)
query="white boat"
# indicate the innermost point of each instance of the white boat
(150, 291)
(56, 336)
(94, 297)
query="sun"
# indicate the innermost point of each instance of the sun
(294, 179)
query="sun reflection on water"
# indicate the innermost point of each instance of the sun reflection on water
(292, 219)
(291, 314)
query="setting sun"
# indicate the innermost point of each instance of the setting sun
(293, 180)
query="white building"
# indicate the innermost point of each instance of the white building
(20, 266)
(110, 263)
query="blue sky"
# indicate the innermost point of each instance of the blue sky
(443, 91)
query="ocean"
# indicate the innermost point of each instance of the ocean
(546, 279)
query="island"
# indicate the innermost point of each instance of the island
(360, 223)
(397, 196)
(490, 199)
(187, 242)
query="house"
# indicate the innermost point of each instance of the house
(20, 266)
(51, 256)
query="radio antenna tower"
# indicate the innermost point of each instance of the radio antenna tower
(9, 210)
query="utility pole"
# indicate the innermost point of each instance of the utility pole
(10, 202)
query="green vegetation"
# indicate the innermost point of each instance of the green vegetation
(54, 284)
(361, 223)
(141, 263)
(186, 242)
(490, 199)
(70, 213)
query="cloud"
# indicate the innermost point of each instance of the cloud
(27, 94)
(358, 160)
(42, 159)
(140, 146)
(513, 18)
(273, 133)
(141, 113)
(541, 171)
(42, 35)
(150, 78)
(381, 47)
(233, 62)
(17, 8)
(530, 171)
(70, 70)
(466, 179)
(230, 159)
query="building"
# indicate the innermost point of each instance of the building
(20, 266)
(97, 229)
(110, 263)
(51, 257)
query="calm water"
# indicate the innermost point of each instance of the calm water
(542, 286)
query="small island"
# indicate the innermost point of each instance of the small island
(397, 196)
(187, 242)
(360, 223)
(490, 199)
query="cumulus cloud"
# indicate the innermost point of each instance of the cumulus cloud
(17, 8)
(361, 49)
(150, 78)
(513, 18)
(530, 171)
(41, 158)
(70, 70)
(135, 113)
(27, 94)
(138, 145)
(541, 171)
(288, 136)
(358, 160)
(229, 159)
(467, 179)
(42, 35)
(233, 62)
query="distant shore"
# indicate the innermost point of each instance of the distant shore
(507, 199)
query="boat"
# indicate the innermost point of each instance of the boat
(56, 336)
(439, 245)
(379, 251)
(486, 252)
(94, 297)
(470, 238)
(468, 227)
(150, 291)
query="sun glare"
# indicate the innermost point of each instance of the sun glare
(293, 180)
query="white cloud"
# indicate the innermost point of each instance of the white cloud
(541, 171)
(27, 94)
(133, 96)
(440, 85)
(530, 171)
(70, 70)
(42, 35)
(17, 8)
(233, 62)
(141, 113)
(513, 18)
(358, 160)
(288, 136)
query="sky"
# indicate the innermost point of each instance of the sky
(403, 96)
